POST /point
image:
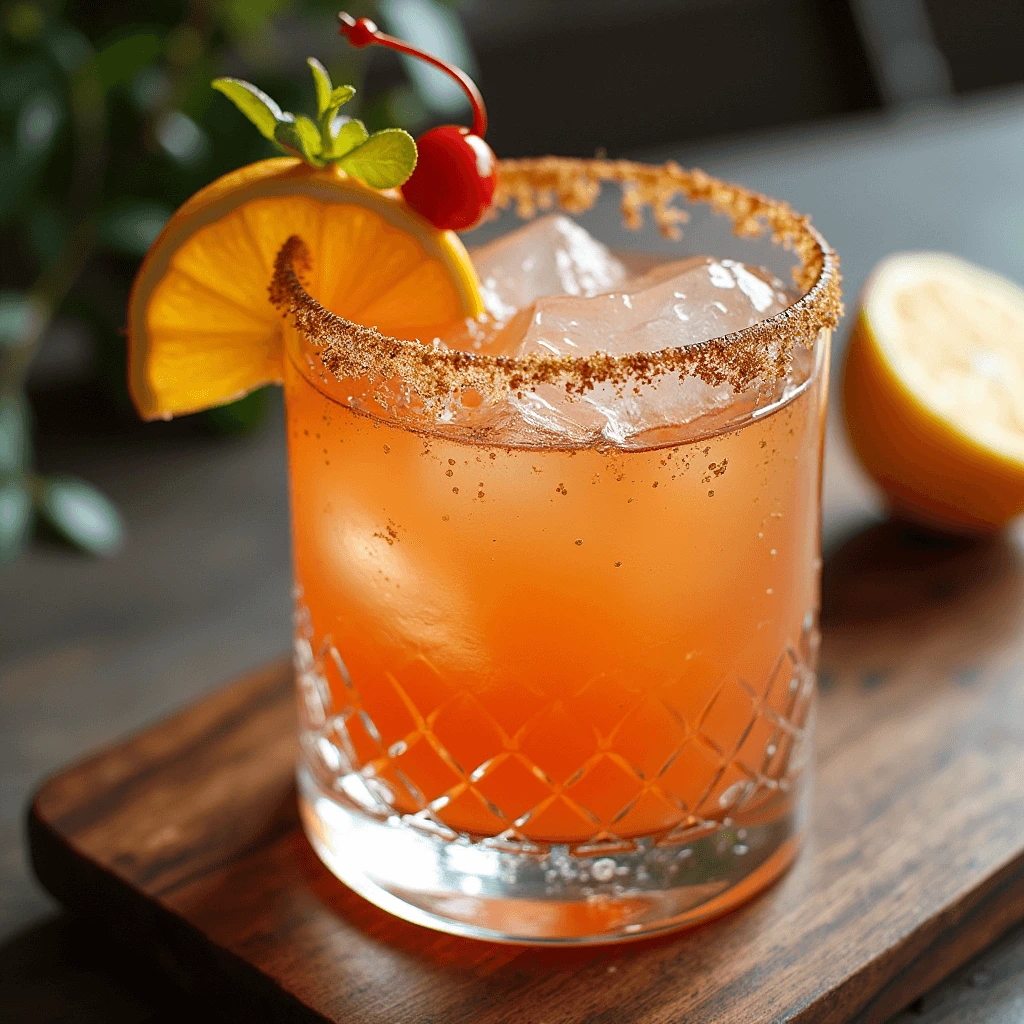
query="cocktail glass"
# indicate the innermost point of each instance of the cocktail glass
(555, 690)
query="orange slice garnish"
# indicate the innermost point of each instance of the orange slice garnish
(201, 328)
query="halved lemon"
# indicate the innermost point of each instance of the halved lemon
(934, 390)
(201, 329)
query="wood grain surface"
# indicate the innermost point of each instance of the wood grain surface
(185, 838)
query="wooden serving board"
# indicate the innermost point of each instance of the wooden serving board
(184, 840)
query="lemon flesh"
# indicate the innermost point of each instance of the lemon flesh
(934, 390)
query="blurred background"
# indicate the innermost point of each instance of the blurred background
(896, 124)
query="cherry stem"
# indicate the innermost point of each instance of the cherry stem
(363, 32)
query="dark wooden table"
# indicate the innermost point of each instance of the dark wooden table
(90, 650)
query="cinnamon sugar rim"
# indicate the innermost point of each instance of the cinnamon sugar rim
(760, 354)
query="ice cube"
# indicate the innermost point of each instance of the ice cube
(680, 303)
(552, 255)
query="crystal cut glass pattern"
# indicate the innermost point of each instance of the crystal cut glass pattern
(641, 769)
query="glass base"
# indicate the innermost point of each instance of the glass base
(486, 890)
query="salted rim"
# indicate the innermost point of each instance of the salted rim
(759, 354)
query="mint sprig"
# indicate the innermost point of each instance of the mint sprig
(384, 159)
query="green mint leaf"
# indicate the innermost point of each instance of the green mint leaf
(312, 143)
(385, 160)
(254, 103)
(348, 136)
(286, 135)
(15, 519)
(338, 98)
(82, 515)
(300, 136)
(322, 83)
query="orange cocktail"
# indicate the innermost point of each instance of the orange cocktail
(556, 664)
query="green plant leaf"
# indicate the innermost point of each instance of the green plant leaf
(302, 137)
(131, 226)
(322, 83)
(14, 434)
(240, 416)
(338, 98)
(82, 515)
(312, 142)
(349, 135)
(15, 519)
(244, 19)
(385, 160)
(254, 103)
(124, 58)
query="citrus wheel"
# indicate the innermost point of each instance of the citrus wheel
(201, 329)
(933, 389)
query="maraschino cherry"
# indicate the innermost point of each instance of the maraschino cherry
(456, 171)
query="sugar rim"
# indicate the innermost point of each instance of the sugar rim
(760, 354)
